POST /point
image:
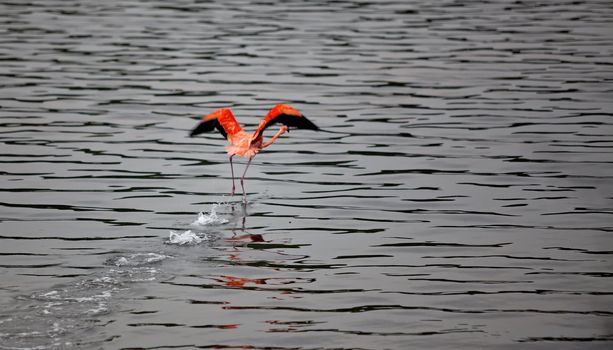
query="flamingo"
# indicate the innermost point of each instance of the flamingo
(244, 144)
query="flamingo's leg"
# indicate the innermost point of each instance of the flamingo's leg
(232, 171)
(243, 180)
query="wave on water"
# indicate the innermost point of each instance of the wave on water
(56, 318)
(136, 259)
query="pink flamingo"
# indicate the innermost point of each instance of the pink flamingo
(244, 144)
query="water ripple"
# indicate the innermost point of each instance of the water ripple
(458, 192)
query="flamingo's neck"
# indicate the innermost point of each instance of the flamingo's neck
(282, 130)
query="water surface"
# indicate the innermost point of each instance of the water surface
(460, 194)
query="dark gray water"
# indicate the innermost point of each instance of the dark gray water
(460, 195)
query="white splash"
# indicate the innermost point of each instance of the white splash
(186, 238)
(211, 218)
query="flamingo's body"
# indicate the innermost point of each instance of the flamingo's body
(244, 144)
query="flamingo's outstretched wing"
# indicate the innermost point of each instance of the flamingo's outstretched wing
(222, 119)
(286, 115)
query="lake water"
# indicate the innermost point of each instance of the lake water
(458, 196)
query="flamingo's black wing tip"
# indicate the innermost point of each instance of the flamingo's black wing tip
(202, 127)
(300, 122)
